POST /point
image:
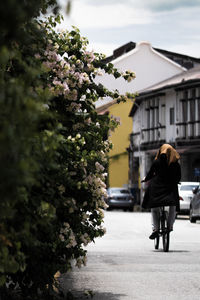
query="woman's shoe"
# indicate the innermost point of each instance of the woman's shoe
(154, 235)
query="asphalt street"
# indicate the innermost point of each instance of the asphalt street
(124, 265)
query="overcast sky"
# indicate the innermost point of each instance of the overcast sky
(172, 25)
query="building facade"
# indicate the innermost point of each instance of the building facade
(168, 112)
(151, 66)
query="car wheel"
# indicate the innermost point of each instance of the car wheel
(192, 219)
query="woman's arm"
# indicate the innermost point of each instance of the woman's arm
(151, 173)
(178, 173)
(175, 173)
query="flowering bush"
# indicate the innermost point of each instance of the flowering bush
(53, 154)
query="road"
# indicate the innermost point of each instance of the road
(124, 265)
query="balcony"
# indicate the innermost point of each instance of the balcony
(188, 134)
(148, 137)
(188, 130)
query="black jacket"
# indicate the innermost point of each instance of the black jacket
(163, 186)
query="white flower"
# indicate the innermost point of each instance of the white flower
(71, 210)
(101, 213)
(88, 121)
(37, 56)
(78, 136)
(99, 167)
(56, 46)
(78, 185)
(83, 97)
(103, 203)
(100, 73)
(84, 260)
(72, 240)
(62, 238)
(85, 216)
(79, 262)
(65, 87)
(104, 230)
(61, 188)
(85, 239)
(66, 225)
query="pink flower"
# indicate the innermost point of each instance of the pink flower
(65, 87)
(37, 56)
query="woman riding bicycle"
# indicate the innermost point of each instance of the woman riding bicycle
(164, 176)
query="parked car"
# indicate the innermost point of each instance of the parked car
(195, 206)
(120, 198)
(186, 195)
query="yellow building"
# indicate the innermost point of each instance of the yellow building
(118, 156)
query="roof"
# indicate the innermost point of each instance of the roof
(139, 46)
(101, 104)
(183, 77)
(181, 59)
(101, 109)
(180, 81)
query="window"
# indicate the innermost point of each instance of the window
(184, 111)
(162, 121)
(157, 116)
(198, 105)
(152, 117)
(171, 115)
(148, 118)
(185, 95)
(193, 93)
(192, 110)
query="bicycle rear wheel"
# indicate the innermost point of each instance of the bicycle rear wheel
(165, 232)
(156, 242)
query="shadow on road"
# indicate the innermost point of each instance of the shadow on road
(179, 251)
(67, 286)
(95, 296)
(107, 296)
(172, 251)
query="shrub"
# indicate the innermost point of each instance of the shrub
(53, 152)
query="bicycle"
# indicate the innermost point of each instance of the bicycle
(163, 230)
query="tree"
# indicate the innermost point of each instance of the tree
(53, 149)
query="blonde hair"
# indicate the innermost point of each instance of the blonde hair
(170, 152)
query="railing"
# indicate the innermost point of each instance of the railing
(190, 130)
(153, 134)
(150, 135)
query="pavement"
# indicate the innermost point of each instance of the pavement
(124, 264)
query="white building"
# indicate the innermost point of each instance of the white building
(151, 65)
(168, 112)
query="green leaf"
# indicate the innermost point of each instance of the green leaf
(2, 280)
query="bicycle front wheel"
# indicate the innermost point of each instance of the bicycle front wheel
(165, 233)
